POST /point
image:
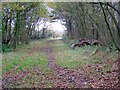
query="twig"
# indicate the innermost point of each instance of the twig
(95, 52)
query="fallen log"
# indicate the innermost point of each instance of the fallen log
(84, 42)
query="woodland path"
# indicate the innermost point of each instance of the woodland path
(56, 76)
(65, 76)
(79, 80)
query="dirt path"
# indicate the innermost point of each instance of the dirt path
(77, 79)
(58, 77)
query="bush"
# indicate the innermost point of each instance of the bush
(5, 48)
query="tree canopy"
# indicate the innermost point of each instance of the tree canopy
(91, 20)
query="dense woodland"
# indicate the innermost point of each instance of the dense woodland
(100, 21)
(86, 55)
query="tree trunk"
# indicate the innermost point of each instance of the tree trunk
(9, 29)
(105, 17)
(69, 28)
(119, 24)
(4, 31)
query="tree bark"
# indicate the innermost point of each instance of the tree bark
(105, 17)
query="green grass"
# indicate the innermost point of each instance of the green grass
(78, 59)
(34, 59)
(66, 57)
(10, 59)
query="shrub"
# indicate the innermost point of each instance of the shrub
(5, 48)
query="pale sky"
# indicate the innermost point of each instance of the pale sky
(56, 26)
